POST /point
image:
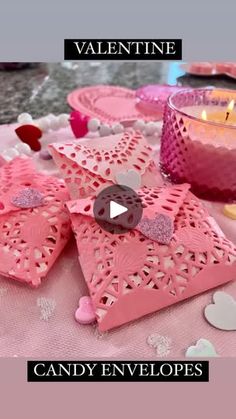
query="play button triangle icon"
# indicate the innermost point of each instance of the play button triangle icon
(116, 209)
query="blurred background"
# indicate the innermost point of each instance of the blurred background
(43, 88)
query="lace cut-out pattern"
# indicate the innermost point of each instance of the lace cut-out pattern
(130, 275)
(155, 201)
(31, 239)
(92, 164)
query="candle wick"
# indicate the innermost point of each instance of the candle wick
(227, 116)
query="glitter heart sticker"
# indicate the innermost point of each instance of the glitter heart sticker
(28, 198)
(160, 228)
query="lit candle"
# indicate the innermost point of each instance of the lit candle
(204, 115)
(199, 141)
(221, 115)
(214, 113)
(229, 109)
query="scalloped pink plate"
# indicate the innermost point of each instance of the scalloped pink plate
(109, 103)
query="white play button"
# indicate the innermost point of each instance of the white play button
(116, 209)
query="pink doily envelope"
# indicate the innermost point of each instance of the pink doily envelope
(130, 275)
(90, 165)
(34, 223)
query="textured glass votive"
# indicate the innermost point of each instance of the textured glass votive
(152, 97)
(201, 152)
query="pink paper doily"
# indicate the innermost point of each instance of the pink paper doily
(131, 275)
(110, 104)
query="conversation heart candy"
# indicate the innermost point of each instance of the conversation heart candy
(203, 349)
(222, 313)
(85, 313)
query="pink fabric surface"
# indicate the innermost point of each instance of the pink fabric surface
(40, 323)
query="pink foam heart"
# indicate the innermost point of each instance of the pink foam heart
(159, 228)
(79, 124)
(85, 313)
(203, 349)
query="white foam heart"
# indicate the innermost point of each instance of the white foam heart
(222, 314)
(203, 349)
(131, 178)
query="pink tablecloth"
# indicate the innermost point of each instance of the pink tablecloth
(40, 323)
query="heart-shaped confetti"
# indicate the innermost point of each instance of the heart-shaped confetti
(30, 134)
(230, 211)
(28, 198)
(79, 124)
(85, 313)
(222, 314)
(162, 344)
(203, 349)
(131, 178)
(47, 307)
(159, 229)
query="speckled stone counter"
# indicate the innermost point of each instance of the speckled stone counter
(43, 88)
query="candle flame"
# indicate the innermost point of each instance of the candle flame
(204, 115)
(230, 105)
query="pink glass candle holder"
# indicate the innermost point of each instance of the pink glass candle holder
(152, 98)
(198, 151)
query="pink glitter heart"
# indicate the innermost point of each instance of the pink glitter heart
(160, 228)
(28, 198)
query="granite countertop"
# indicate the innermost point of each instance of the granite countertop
(43, 88)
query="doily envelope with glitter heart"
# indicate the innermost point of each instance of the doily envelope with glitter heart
(34, 223)
(175, 252)
(90, 165)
